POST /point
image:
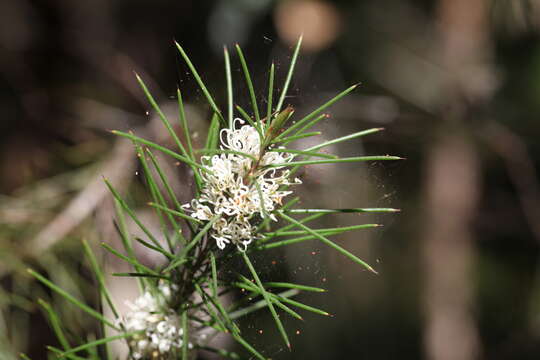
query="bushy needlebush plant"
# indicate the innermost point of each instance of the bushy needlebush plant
(243, 203)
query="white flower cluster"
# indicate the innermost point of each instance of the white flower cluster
(159, 327)
(236, 191)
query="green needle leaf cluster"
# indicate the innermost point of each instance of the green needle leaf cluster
(192, 264)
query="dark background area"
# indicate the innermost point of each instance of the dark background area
(455, 83)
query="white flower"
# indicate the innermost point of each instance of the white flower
(239, 189)
(158, 325)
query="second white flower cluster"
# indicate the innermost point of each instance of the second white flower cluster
(158, 326)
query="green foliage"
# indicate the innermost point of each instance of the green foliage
(193, 261)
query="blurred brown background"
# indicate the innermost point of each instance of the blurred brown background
(454, 82)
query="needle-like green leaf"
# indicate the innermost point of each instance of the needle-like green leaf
(258, 305)
(160, 250)
(304, 306)
(227, 322)
(212, 139)
(60, 352)
(98, 342)
(293, 286)
(187, 135)
(92, 352)
(56, 323)
(325, 231)
(249, 85)
(132, 261)
(261, 203)
(336, 141)
(276, 125)
(160, 148)
(181, 257)
(157, 197)
(344, 138)
(176, 213)
(277, 299)
(72, 299)
(268, 300)
(266, 221)
(248, 347)
(299, 124)
(305, 153)
(289, 75)
(125, 237)
(216, 319)
(248, 286)
(183, 123)
(170, 192)
(285, 242)
(335, 161)
(270, 94)
(142, 275)
(246, 117)
(215, 296)
(228, 78)
(162, 116)
(328, 242)
(333, 211)
(99, 276)
(214, 275)
(185, 335)
(320, 109)
(222, 353)
(312, 123)
(200, 83)
(289, 226)
(130, 212)
(297, 137)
